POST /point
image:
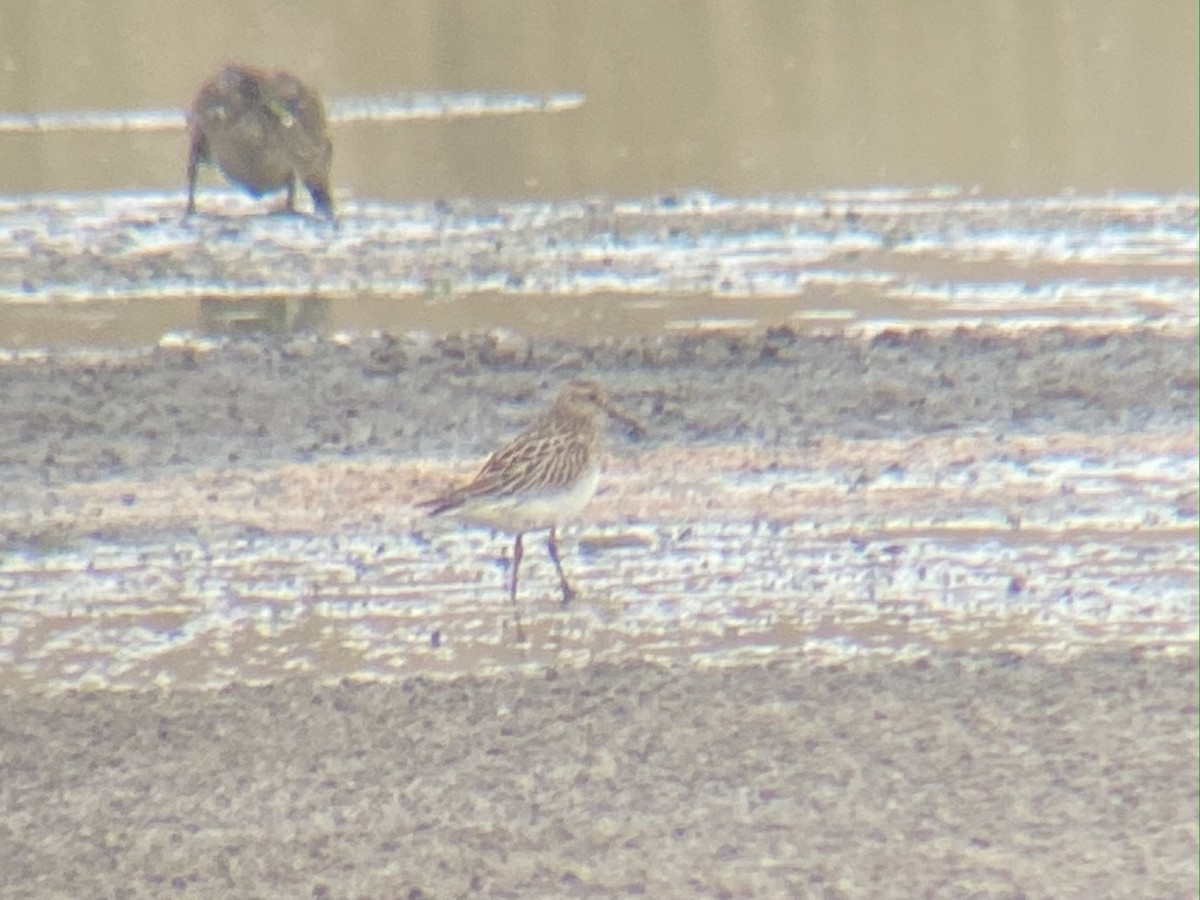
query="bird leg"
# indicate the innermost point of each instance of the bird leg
(197, 150)
(568, 592)
(518, 552)
(322, 202)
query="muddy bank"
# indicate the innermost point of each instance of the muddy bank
(79, 416)
(991, 777)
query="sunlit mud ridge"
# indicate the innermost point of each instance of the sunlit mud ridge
(875, 259)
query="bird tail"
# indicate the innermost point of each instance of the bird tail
(439, 505)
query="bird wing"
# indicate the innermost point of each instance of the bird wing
(549, 455)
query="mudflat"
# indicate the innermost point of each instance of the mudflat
(1004, 768)
(983, 777)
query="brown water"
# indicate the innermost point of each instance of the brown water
(741, 98)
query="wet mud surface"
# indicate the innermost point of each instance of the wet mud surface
(902, 492)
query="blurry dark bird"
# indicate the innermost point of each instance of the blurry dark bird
(265, 130)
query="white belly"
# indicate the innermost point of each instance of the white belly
(531, 511)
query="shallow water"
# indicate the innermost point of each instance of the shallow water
(93, 270)
(746, 98)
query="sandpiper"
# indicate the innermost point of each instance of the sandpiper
(544, 476)
(264, 130)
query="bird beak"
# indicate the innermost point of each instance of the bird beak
(636, 429)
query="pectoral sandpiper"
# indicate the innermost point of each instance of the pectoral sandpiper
(265, 131)
(544, 476)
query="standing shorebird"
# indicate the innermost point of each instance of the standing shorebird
(544, 476)
(265, 131)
